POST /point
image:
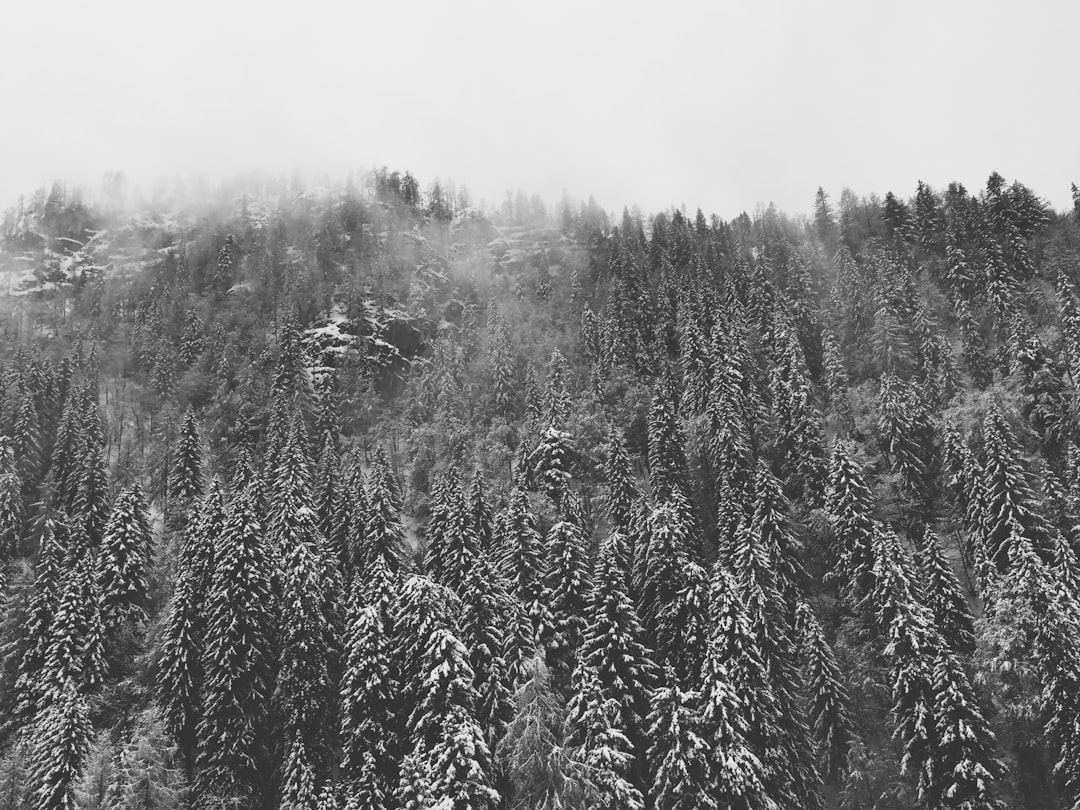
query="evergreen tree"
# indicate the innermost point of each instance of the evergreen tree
(550, 463)
(304, 687)
(61, 743)
(568, 580)
(384, 535)
(965, 769)
(75, 651)
(300, 789)
(44, 602)
(604, 753)
(238, 660)
(522, 566)
(680, 750)
(482, 632)
(828, 699)
(186, 472)
(622, 493)
(613, 652)
(368, 701)
(124, 561)
(911, 646)
(849, 506)
(952, 616)
(1009, 505)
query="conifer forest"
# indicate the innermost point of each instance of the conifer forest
(362, 496)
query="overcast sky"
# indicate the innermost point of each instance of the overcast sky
(719, 105)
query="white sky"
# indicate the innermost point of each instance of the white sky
(721, 105)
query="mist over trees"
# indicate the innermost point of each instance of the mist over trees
(363, 496)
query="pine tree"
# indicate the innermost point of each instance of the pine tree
(1008, 498)
(186, 472)
(621, 494)
(368, 700)
(667, 454)
(75, 651)
(604, 753)
(662, 559)
(964, 765)
(550, 463)
(533, 751)
(11, 503)
(300, 788)
(522, 566)
(828, 699)
(568, 580)
(741, 710)
(482, 632)
(910, 646)
(384, 535)
(849, 506)
(680, 750)
(952, 616)
(192, 341)
(480, 514)
(558, 395)
(449, 761)
(501, 364)
(304, 684)
(124, 561)
(61, 743)
(179, 677)
(146, 775)
(238, 656)
(613, 651)
(48, 581)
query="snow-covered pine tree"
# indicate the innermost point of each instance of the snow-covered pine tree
(680, 750)
(827, 706)
(483, 604)
(300, 789)
(384, 535)
(193, 339)
(952, 616)
(911, 643)
(965, 769)
(48, 581)
(75, 651)
(11, 502)
(123, 561)
(304, 685)
(668, 471)
(550, 462)
(741, 709)
(621, 494)
(612, 650)
(522, 564)
(186, 472)
(849, 505)
(369, 724)
(1008, 500)
(449, 763)
(238, 659)
(481, 517)
(533, 752)
(603, 753)
(662, 557)
(568, 581)
(61, 742)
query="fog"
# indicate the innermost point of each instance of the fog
(719, 105)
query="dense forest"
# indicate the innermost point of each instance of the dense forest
(362, 496)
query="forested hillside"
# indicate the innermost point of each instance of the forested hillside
(366, 497)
